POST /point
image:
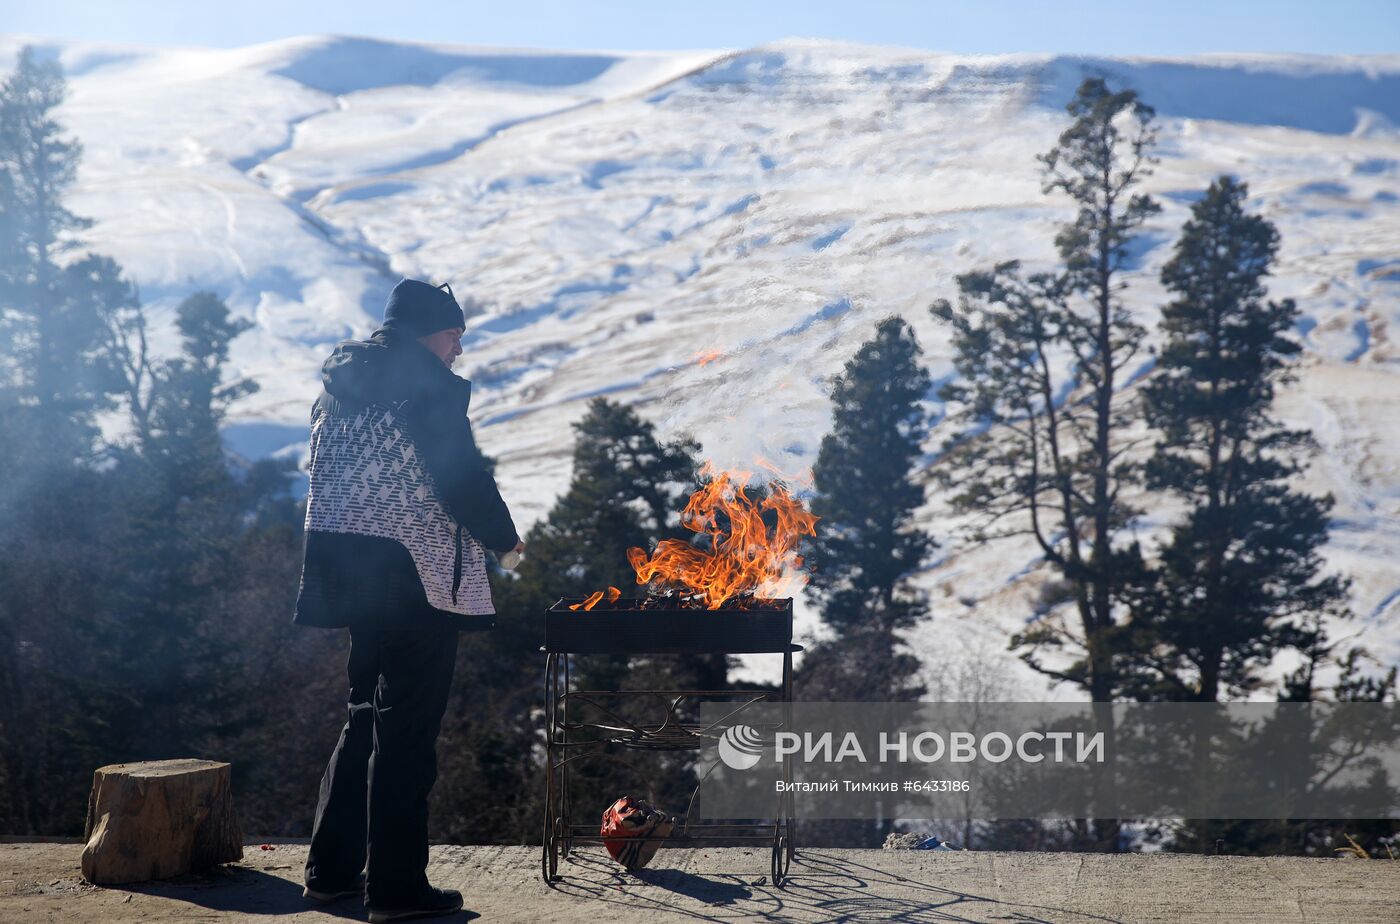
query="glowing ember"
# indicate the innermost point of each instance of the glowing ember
(745, 555)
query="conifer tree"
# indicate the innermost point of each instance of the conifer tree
(189, 401)
(1040, 360)
(186, 528)
(55, 376)
(867, 544)
(54, 323)
(1240, 578)
(628, 488)
(1338, 744)
(119, 590)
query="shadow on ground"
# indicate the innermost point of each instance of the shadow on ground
(820, 886)
(253, 892)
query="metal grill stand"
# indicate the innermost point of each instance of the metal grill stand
(625, 628)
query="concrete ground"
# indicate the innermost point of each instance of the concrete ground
(40, 882)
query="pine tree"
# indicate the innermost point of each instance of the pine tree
(119, 583)
(186, 513)
(189, 401)
(628, 488)
(61, 524)
(55, 320)
(1346, 743)
(1040, 360)
(867, 543)
(1240, 578)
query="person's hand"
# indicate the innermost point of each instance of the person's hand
(512, 558)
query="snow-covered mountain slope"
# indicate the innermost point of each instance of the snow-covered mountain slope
(709, 236)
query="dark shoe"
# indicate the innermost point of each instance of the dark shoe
(321, 894)
(434, 902)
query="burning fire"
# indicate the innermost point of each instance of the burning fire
(744, 555)
(593, 599)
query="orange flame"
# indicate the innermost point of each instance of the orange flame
(596, 597)
(744, 555)
(707, 357)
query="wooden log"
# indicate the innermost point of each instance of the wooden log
(158, 819)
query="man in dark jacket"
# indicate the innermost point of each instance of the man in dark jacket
(400, 512)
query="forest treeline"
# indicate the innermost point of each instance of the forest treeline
(147, 576)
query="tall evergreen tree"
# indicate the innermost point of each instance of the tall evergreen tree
(54, 319)
(627, 489)
(186, 515)
(1041, 359)
(1240, 578)
(867, 544)
(189, 400)
(55, 375)
(1339, 744)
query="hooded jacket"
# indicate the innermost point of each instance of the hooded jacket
(402, 504)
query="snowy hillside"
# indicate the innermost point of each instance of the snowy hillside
(710, 236)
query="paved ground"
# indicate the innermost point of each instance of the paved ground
(40, 882)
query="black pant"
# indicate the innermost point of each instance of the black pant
(373, 810)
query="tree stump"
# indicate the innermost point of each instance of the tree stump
(158, 819)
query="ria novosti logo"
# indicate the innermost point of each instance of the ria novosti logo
(740, 747)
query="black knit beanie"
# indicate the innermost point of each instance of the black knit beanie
(418, 309)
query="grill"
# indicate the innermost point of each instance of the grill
(586, 724)
(629, 627)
